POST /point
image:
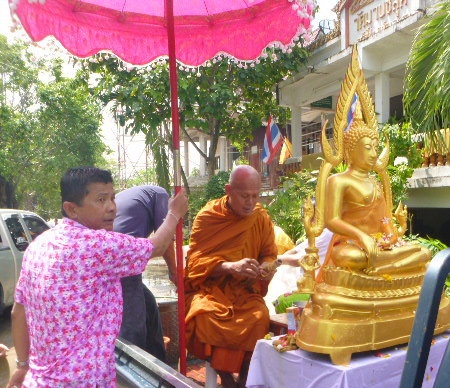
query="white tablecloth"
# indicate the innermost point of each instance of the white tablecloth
(298, 368)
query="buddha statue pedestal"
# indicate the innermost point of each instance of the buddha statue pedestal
(352, 312)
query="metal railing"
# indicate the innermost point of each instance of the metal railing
(424, 324)
(140, 369)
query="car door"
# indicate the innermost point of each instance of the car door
(17, 241)
(7, 269)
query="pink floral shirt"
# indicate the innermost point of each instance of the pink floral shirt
(70, 287)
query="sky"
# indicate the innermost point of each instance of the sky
(109, 129)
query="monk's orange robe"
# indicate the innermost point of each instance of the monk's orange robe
(226, 312)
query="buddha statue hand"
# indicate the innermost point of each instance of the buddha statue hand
(401, 215)
(371, 248)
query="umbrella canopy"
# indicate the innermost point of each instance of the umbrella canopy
(139, 31)
(136, 31)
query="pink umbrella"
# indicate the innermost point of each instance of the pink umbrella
(139, 31)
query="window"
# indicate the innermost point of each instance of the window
(2, 247)
(16, 231)
(35, 225)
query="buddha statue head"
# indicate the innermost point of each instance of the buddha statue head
(360, 143)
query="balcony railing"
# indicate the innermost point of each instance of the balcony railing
(437, 153)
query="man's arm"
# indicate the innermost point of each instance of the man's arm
(21, 343)
(169, 257)
(163, 237)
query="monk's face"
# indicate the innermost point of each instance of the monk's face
(243, 195)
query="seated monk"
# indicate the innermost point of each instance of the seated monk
(366, 238)
(231, 253)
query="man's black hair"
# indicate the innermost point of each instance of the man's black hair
(75, 181)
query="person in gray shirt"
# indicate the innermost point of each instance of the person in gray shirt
(140, 211)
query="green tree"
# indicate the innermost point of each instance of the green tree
(214, 189)
(45, 128)
(68, 135)
(427, 85)
(223, 98)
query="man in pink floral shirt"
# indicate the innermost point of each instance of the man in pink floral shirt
(68, 307)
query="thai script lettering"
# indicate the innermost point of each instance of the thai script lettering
(365, 19)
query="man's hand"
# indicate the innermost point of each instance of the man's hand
(248, 268)
(3, 350)
(293, 260)
(178, 204)
(17, 378)
(162, 238)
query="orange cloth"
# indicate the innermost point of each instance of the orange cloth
(228, 311)
(371, 218)
(283, 241)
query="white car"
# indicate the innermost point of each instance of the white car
(18, 228)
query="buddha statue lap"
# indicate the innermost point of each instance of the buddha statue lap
(367, 291)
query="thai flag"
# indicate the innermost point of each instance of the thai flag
(272, 141)
(351, 112)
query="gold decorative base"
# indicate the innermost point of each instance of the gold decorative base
(340, 321)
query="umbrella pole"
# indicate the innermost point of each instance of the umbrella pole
(177, 176)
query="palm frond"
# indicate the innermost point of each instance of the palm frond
(427, 85)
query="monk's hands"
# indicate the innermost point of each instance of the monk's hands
(178, 204)
(267, 271)
(248, 268)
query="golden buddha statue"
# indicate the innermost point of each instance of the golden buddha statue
(366, 238)
(367, 292)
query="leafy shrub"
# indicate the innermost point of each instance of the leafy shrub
(215, 188)
(433, 244)
(404, 158)
(402, 144)
(399, 181)
(285, 209)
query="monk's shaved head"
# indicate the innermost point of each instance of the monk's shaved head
(243, 190)
(242, 174)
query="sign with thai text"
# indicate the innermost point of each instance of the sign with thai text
(369, 17)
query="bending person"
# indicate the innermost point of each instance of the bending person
(141, 210)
